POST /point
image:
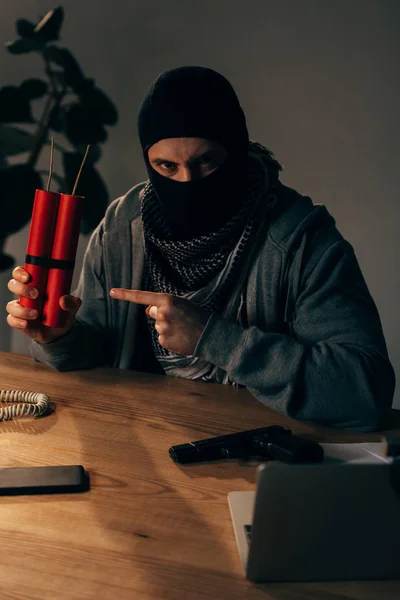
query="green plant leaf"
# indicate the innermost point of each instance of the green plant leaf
(99, 103)
(14, 106)
(6, 262)
(17, 191)
(48, 28)
(91, 186)
(14, 140)
(33, 88)
(24, 45)
(24, 28)
(55, 55)
(82, 127)
(64, 58)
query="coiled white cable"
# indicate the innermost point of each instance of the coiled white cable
(25, 404)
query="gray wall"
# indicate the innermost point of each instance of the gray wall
(318, 80)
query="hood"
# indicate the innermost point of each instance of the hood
(292, 215)
(294, 226)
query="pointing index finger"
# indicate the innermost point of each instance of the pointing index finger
(139, 296)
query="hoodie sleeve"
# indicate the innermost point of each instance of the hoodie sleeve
(83, 346)
(333, 369)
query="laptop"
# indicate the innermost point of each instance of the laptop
(336, 520)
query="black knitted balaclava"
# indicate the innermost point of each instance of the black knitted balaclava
(196, 102)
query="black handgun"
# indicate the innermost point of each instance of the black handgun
(272, 443)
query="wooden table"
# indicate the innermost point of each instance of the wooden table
(148, 529)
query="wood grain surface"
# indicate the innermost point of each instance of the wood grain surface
(148, 528)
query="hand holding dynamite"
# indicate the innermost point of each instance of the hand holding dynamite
(51, 250)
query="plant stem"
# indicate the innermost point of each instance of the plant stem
(41, 131)
(53, 101)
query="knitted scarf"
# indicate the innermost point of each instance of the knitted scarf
(207, 268)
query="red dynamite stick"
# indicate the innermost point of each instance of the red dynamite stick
(40, 242)
(63, 252)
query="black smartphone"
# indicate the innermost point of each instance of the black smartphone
(15, 481)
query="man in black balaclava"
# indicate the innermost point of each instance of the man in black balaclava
(245, 281)
(196, 205)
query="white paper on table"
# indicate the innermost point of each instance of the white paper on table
(364, 452)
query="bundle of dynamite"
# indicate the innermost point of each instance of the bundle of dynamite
(51, 250)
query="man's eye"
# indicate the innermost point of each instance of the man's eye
(209, 163)
(167, 166)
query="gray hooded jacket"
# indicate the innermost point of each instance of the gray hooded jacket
(311, 345)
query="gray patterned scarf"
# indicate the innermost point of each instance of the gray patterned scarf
(206, 269)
